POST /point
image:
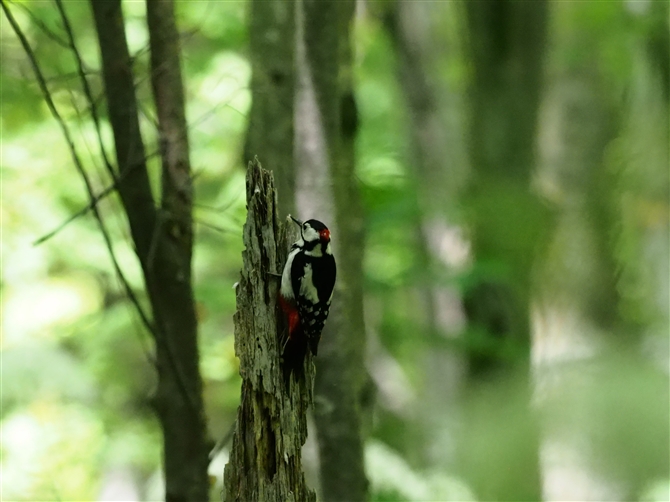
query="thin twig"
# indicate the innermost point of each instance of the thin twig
(86, 87)
(94, 201)
(222, 208)
(64, 77)
(222, 442)
(80, 168)
(42, 26)
(226, 104)
(147, 115)
(213, 227)
(81, 212)
(80, 122)
(77, 162)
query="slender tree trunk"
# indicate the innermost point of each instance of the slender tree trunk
(163, 239)
(265, 461)
(270, 135)
(169, 277)
(438, 167)
(574, 168)
(134, 188)
(578, 277)
(326, 124)
(507, 42)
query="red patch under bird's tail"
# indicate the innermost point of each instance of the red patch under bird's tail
(295, 345)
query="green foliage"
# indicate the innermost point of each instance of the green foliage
(77, 371)
(77, 374)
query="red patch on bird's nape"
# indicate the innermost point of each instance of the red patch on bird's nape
(324, 234)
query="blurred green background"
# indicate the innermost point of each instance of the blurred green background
(76, 375)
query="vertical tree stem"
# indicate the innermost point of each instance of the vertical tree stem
(509, 222)
(270, 135)
(331, 116)
(168, 273)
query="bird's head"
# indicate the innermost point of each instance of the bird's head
(313, 231)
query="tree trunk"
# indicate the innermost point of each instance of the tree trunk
(270, 134)
(326, 124)
(438, 167)
(507, 42)
(265, 461)
(163, 240)
(577, 283)
(169, 275)
(133, 187)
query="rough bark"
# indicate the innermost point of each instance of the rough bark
(270, 135)
(163, 240)
(326, 125)
(265, 462)
(507, 42)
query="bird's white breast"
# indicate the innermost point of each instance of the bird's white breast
(307, 288)
(286, 288)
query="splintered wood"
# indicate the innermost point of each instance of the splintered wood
(265, 461)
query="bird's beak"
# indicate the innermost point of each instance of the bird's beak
(297, 222)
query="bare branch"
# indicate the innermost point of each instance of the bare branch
(53, 36)
(221, 443)
(93, 202)
(64, 77)
(85, 86)
(212, 226)
(77, 162)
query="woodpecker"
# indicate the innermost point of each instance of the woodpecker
(306, 291)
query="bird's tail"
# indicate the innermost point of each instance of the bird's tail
(293, 357)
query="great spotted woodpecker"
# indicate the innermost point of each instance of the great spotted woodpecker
(306, 290)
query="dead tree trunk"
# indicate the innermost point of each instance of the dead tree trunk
(265, 461)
